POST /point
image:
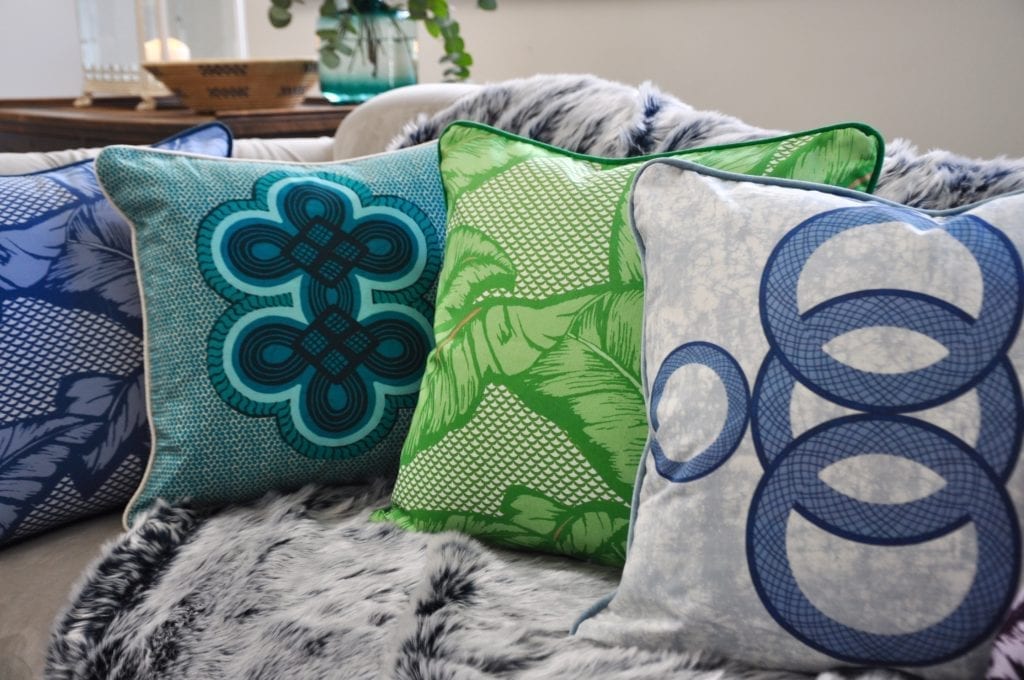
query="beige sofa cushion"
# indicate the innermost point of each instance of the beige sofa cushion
(35, 579)
(299, 149)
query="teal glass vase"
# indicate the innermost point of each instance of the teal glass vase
(380, 53)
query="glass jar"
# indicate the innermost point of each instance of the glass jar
(380, 53)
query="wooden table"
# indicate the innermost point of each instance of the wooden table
(52, 124)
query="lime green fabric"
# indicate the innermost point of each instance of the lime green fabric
(530, 421)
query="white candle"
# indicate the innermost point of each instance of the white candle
(176, 50)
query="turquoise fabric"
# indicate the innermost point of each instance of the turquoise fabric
(288, 313)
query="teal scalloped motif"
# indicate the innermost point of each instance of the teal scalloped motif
(328, 331)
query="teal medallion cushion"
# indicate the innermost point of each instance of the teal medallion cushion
(73, 433)
(832, 474)
(288, 313)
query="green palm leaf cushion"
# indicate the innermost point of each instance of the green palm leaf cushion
(530, 422)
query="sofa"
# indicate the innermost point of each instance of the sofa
(38, 573)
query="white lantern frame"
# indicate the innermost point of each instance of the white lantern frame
(130, 79)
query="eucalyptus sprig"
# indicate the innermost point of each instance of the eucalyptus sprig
(336, 23)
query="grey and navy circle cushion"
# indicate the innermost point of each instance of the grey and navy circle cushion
(833, 471)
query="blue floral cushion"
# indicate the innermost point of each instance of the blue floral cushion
(288, 315)
(73, 433)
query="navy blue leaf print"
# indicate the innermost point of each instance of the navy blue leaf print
(27, 251)
(119, 403)
(81, 179)
(92, 396)
(73, 430)
(98, 260)
(32, 457)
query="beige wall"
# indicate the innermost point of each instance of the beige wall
(39, 52)
(944, 73)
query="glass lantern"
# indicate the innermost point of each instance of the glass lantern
(117, 36)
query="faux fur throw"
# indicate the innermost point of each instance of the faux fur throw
(602, 118)
(304, 586)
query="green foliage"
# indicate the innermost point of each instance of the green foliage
(596, 530)
(434, 14)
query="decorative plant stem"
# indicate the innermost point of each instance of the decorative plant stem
(337, 22)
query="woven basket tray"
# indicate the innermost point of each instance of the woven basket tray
(208, 86)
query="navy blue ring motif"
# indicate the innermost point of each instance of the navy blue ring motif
(1000, 433)
(736, 390)
(974, 345)
(975, 476)
(973, 493)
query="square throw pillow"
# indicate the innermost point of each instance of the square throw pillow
(287, 313)
(73, 433)
(832, 474)
(530, 423)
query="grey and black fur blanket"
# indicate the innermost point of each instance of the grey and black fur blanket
(598, 117)
(302, 586)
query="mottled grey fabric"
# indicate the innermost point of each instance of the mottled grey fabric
(832, 473)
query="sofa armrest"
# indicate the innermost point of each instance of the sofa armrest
(373, 124)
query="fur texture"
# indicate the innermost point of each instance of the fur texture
(1008, 653)
(304, 586)
(602, 118)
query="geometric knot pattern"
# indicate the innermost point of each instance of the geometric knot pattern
(335, 343)
(329, 328)
(324, 253)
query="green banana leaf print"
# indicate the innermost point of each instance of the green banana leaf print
(473, 160)
(485, 527)
(483, 266)
(624, 268)
(588, 384)
(845, 157)
(595, 530)
(531, 419)
(480, 341)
